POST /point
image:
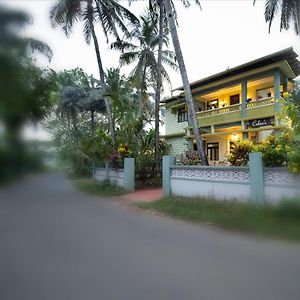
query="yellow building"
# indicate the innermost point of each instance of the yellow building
(239, 103)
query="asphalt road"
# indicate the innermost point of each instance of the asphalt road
(57, 243)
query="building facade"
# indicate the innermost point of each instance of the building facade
(240, 103)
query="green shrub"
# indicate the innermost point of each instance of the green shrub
(239, 155)
(81, 164)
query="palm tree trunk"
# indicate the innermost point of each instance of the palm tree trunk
(141, 89)
(93, 121)
(187, 89)
(102, 79)
(158, 84)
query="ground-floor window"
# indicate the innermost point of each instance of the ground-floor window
(213, 151)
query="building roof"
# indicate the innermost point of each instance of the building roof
(287, 54)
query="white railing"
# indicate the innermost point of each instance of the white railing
(236, 107)
(222, 110)
(261, 102)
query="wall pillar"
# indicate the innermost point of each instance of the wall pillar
(166, 178)
(129, 174)
(256, 178)
(107, 170)
(277, 90)
(244, 97)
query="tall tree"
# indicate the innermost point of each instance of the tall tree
(289, 11)
(158, 81)
(109, 13)
(171, 15)
(141, 49)
(25, 89)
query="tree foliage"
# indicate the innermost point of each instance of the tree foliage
(25, 89)
(289, 11)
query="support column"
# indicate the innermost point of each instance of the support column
(256, 171)
(244, 97)
(277, 90)
(129, 174)
(245, 134)
(167, 162)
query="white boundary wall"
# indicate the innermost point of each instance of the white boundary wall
(280, 184)
(121, 177)
(221, 183)
(231, 183)
(115, 176)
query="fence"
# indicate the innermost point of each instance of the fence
(122, 177)
(253, 183)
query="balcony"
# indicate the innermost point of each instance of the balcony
(233, 113)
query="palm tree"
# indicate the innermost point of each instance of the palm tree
(158, 81)
(142, 50)
(93, 102)
(109, 13)
(124, 106)
(171, 15)
(289, 11)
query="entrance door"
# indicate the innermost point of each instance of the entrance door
(213, 151)
(234, 99)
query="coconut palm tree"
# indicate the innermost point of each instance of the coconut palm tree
(150, 57)
(109, 13)
(167, 8)
(171, 15)
(158, 80)
(289, 11)
(141, 49)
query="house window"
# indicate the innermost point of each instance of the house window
(265, 93)
(235, 99)
(182, 115)
(213, 151)
(212, 104)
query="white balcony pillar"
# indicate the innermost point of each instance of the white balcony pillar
(244, 97)
(277, 90)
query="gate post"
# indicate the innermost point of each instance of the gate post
(256, 171)
(129, 174)
(167, 162)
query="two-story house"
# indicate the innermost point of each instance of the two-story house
(240, 103)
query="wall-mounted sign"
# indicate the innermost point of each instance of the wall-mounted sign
(260, 122)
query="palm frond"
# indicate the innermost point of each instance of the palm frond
(65, 13)
(39, 46)
(128, 57)
(271, 8)
(123, 46)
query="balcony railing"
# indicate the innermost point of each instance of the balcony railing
(235, 108)
(261, 102)
(222, 110)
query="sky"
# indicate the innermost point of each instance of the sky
(221, 34)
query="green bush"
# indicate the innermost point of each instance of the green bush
(239, 155)
(81, 164)
(274, 150)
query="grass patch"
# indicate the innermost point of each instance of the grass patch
(282, 221)
(103, 189)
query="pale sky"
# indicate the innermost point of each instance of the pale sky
(223, 34)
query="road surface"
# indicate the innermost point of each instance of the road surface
(57, 243)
